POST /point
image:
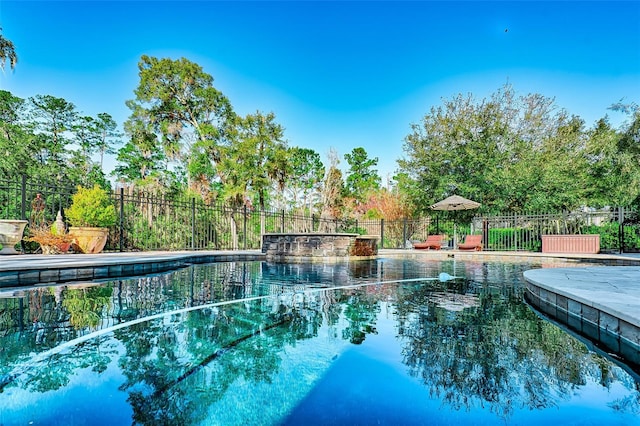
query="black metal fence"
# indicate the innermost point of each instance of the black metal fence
(618, 229)
(151, 221)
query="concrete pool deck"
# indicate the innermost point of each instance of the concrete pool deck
(601, 302)
(611, 289)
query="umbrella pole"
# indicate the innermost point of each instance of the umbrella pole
(455, 237)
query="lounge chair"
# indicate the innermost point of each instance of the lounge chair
(471, 242)
(433, 242)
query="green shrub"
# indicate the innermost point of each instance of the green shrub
(91, 207)
(513, 239)
(166, 233)
(610, 236)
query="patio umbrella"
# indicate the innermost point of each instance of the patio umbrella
(455, 202)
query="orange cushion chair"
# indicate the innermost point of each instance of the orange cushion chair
(432, 242)
(471, 242)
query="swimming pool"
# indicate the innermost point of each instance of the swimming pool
(370, 342)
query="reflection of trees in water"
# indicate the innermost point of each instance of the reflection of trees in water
(56, 371)
(497, 354)
(193, 286)
(71, 313)
(176, 371)
(86, 305)
(52, 307)
(361, 312)
(492, 352)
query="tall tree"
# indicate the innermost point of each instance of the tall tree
(188, 114)
(305, 179)
(251, 161)
(96, 136)
(263, 151)
(331, 194)
(630, 139)
(17, 143)
(450, 151)
(142, 158)
(53, 119)
(109, 135)
(562, 162)
(87, 137)
(7, 53)
(362, 178)
(611, 172)
(629, 146)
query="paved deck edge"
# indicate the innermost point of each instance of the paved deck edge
(617, 331)
(534, 282)
(73, 268)
(516, 256)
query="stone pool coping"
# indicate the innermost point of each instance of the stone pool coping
(601, 303)
(545, 259)
(614, 290)
(32, 269)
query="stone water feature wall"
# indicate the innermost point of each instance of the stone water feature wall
(320, 247)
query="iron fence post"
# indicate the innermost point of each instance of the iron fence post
(404, 233)
(193, 223)
(121, 243)
(621, 229)
(244, 228)
(23, 201)
(485, 232)
(518, 236)
(381, 233)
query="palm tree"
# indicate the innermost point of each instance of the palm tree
(7, 51)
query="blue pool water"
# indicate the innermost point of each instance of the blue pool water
(387, 341)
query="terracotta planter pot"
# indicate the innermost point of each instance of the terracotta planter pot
(55, 248)
(89, 240)
(11, 234)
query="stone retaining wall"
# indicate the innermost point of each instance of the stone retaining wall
(310, 247)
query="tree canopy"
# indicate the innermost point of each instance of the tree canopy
(362, 178)
(514, 153)
(46, 137)
(510, 152)
(7, 53)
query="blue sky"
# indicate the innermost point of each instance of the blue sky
(336, 74)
